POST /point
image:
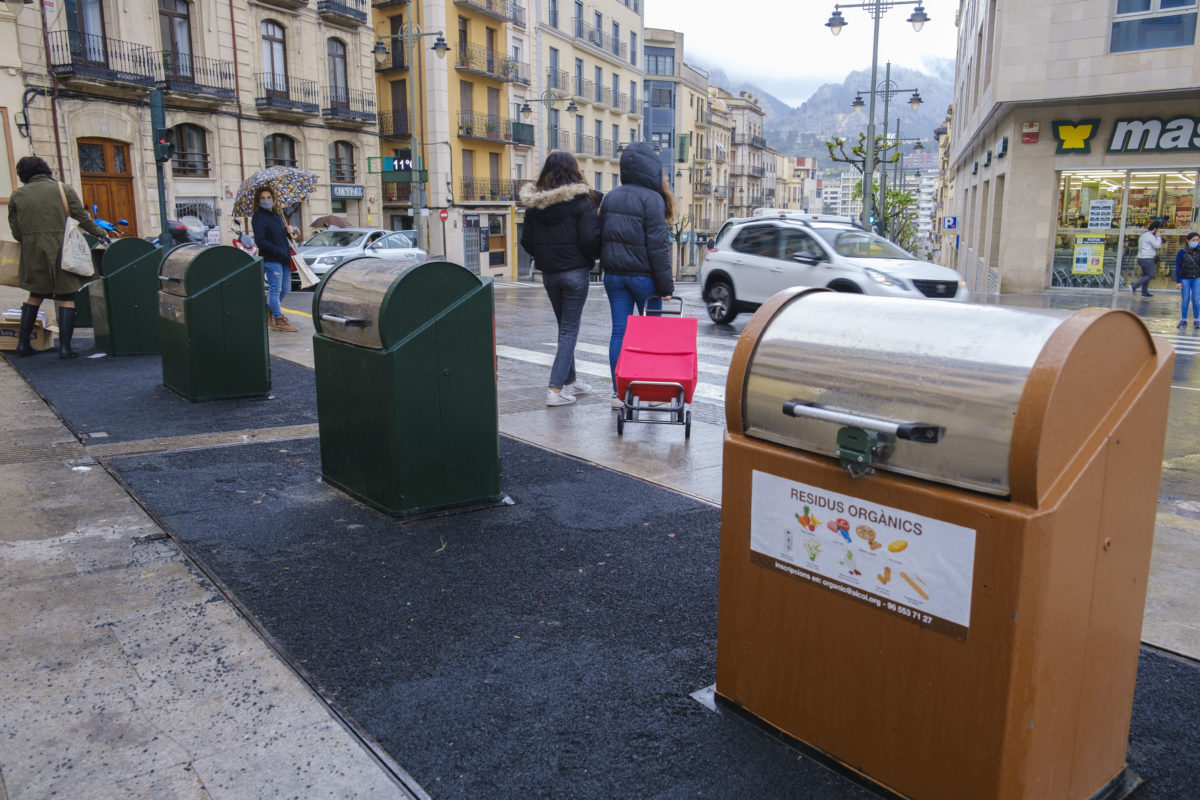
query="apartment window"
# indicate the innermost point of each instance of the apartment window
(579, 19)
(599, 88)
(598, 180)
(660, 61)
(279, 150)
(599, 137)
(176, 37)
(274, 57)
(339, 92)
(191, 151)
(1153, 24)
(616, 38)
(579, 134)
(616, 90)
(91, 26)
(578, 88)
(633, 49)
(341, 162)
(661, 98)
(553, 13)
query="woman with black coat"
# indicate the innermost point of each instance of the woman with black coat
(562, 233)
(635, 250)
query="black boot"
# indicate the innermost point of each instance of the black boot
(25, 334)
(66, 329)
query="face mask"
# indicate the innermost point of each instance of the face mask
(266, 203)
(1193, 245)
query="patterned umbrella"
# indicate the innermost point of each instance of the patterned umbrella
(291, 185)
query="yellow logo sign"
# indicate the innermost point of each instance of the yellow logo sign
(1075, 137)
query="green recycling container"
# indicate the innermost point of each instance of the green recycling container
(405, 362)
(83, 298)
(212, 323)
(124, 298)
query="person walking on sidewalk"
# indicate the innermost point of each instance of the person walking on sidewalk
(271, 236)
(1148, 244)
(562, 233)
(635, 250)
(36, 217)
(1187, 277)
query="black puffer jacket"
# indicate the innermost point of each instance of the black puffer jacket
(562, 231)
(633, 223)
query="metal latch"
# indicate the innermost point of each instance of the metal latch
(864, 440)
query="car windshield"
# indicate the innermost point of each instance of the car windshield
(335, 238)
(861, 244)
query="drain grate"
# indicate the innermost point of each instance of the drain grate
(38, 444)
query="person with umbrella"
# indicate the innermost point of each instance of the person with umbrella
(271, 236)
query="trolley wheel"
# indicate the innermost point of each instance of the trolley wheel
(687, 425)
(620, 421)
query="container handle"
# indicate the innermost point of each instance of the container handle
(347, 321)
(170, 279)
(919, 432)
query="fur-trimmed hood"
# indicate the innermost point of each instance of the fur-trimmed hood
(532, 197)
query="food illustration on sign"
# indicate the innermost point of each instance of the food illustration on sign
(813, 547)
(867, 533)
(897, 545)
(885, 576)
(808, 520)
(841, 526)
(848, 562)
(913, 583)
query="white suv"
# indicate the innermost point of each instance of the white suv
(754, 258)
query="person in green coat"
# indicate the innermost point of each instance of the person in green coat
(36, 217)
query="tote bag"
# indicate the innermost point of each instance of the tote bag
(76, 255)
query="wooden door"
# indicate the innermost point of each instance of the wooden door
(107, 181)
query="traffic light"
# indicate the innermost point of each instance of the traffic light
(164, 137)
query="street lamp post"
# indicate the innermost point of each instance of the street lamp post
(409, 34)
(836, 22)
(550, 98)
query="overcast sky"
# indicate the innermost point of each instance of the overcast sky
(784, 47)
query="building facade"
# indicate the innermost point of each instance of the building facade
(1074, 126)
(242, 92)
(748, 154)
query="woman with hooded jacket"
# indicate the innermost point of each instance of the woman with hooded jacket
(562, 233)
(635, 249)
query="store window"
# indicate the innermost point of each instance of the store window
(1151, 24)
(1088, 232)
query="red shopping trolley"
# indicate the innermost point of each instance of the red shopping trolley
(657, 370)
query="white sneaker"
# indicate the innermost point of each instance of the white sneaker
(617, 402)
(558, 398)
(578, 387)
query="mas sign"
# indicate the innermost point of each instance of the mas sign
(1155, 135)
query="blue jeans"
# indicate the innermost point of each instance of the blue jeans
(278, 283)
(624, 292)
(568, 292)
(1191, 294)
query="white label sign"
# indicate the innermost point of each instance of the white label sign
(904, 564)
(1100, 213)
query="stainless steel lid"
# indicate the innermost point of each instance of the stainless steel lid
(947, 376)
(173, 272)
(351, 297)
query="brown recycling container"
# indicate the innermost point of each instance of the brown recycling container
(936, 538)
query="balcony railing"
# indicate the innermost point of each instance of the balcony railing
(190, 74)
(619, 99)
(598, 38)
(703, 189)
(704, 223)
(342, 172)
(394, 124)
(492, 63)
(485, 126)
(558, 79)
(720, 191)
(523, 134)
(475, 189)
(582, 88)
(758, 172)
(347, 104)
(634, 106)
(184, 163)
(759, 142)
(387, 3)
(502, 10)
(352, 12)
(558, 139)
(583, 144)
(704, 153)
(84, 55)
(286, 94)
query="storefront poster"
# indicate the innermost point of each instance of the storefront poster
(1089, 255)
(904, 564)
(1100, 213)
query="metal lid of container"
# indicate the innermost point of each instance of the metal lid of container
(190, 268)
(933, 387)
(376, 302)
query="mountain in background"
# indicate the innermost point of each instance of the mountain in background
(803, 131)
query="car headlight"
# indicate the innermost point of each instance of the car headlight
(330, 261)
(962, 284)
(883, 279)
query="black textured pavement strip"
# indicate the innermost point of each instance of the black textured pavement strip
(123, 397)
(546, 649)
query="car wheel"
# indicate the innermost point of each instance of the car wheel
(846, 287)
(719, 301)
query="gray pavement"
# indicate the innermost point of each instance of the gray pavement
(127, 673)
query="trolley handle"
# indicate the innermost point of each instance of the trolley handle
(919, 432)
(668, 312)
(349, 322)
